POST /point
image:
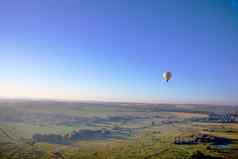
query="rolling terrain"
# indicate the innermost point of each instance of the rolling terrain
(109, 130)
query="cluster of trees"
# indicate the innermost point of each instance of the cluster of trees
(200, 155)
(218, 118)
(51, 138)
(80, 135)
(89, 134)
(223, 118)
(202, 138)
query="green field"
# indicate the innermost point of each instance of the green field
(114, 131)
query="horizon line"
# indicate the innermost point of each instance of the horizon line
(108, 101)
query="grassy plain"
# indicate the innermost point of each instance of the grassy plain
(153, 130)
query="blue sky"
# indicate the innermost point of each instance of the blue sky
(118, 50)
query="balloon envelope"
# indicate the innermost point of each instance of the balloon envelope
(167, 76)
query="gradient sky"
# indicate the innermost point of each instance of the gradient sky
(118, 50)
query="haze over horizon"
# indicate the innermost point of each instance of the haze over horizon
(118, 50)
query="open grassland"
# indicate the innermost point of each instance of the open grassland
(155, 142)
(113, 131)
(25, 130)
(147, 145)
(188, 115)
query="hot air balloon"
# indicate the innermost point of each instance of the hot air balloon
(167, 76)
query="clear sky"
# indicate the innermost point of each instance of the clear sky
(118, 50)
